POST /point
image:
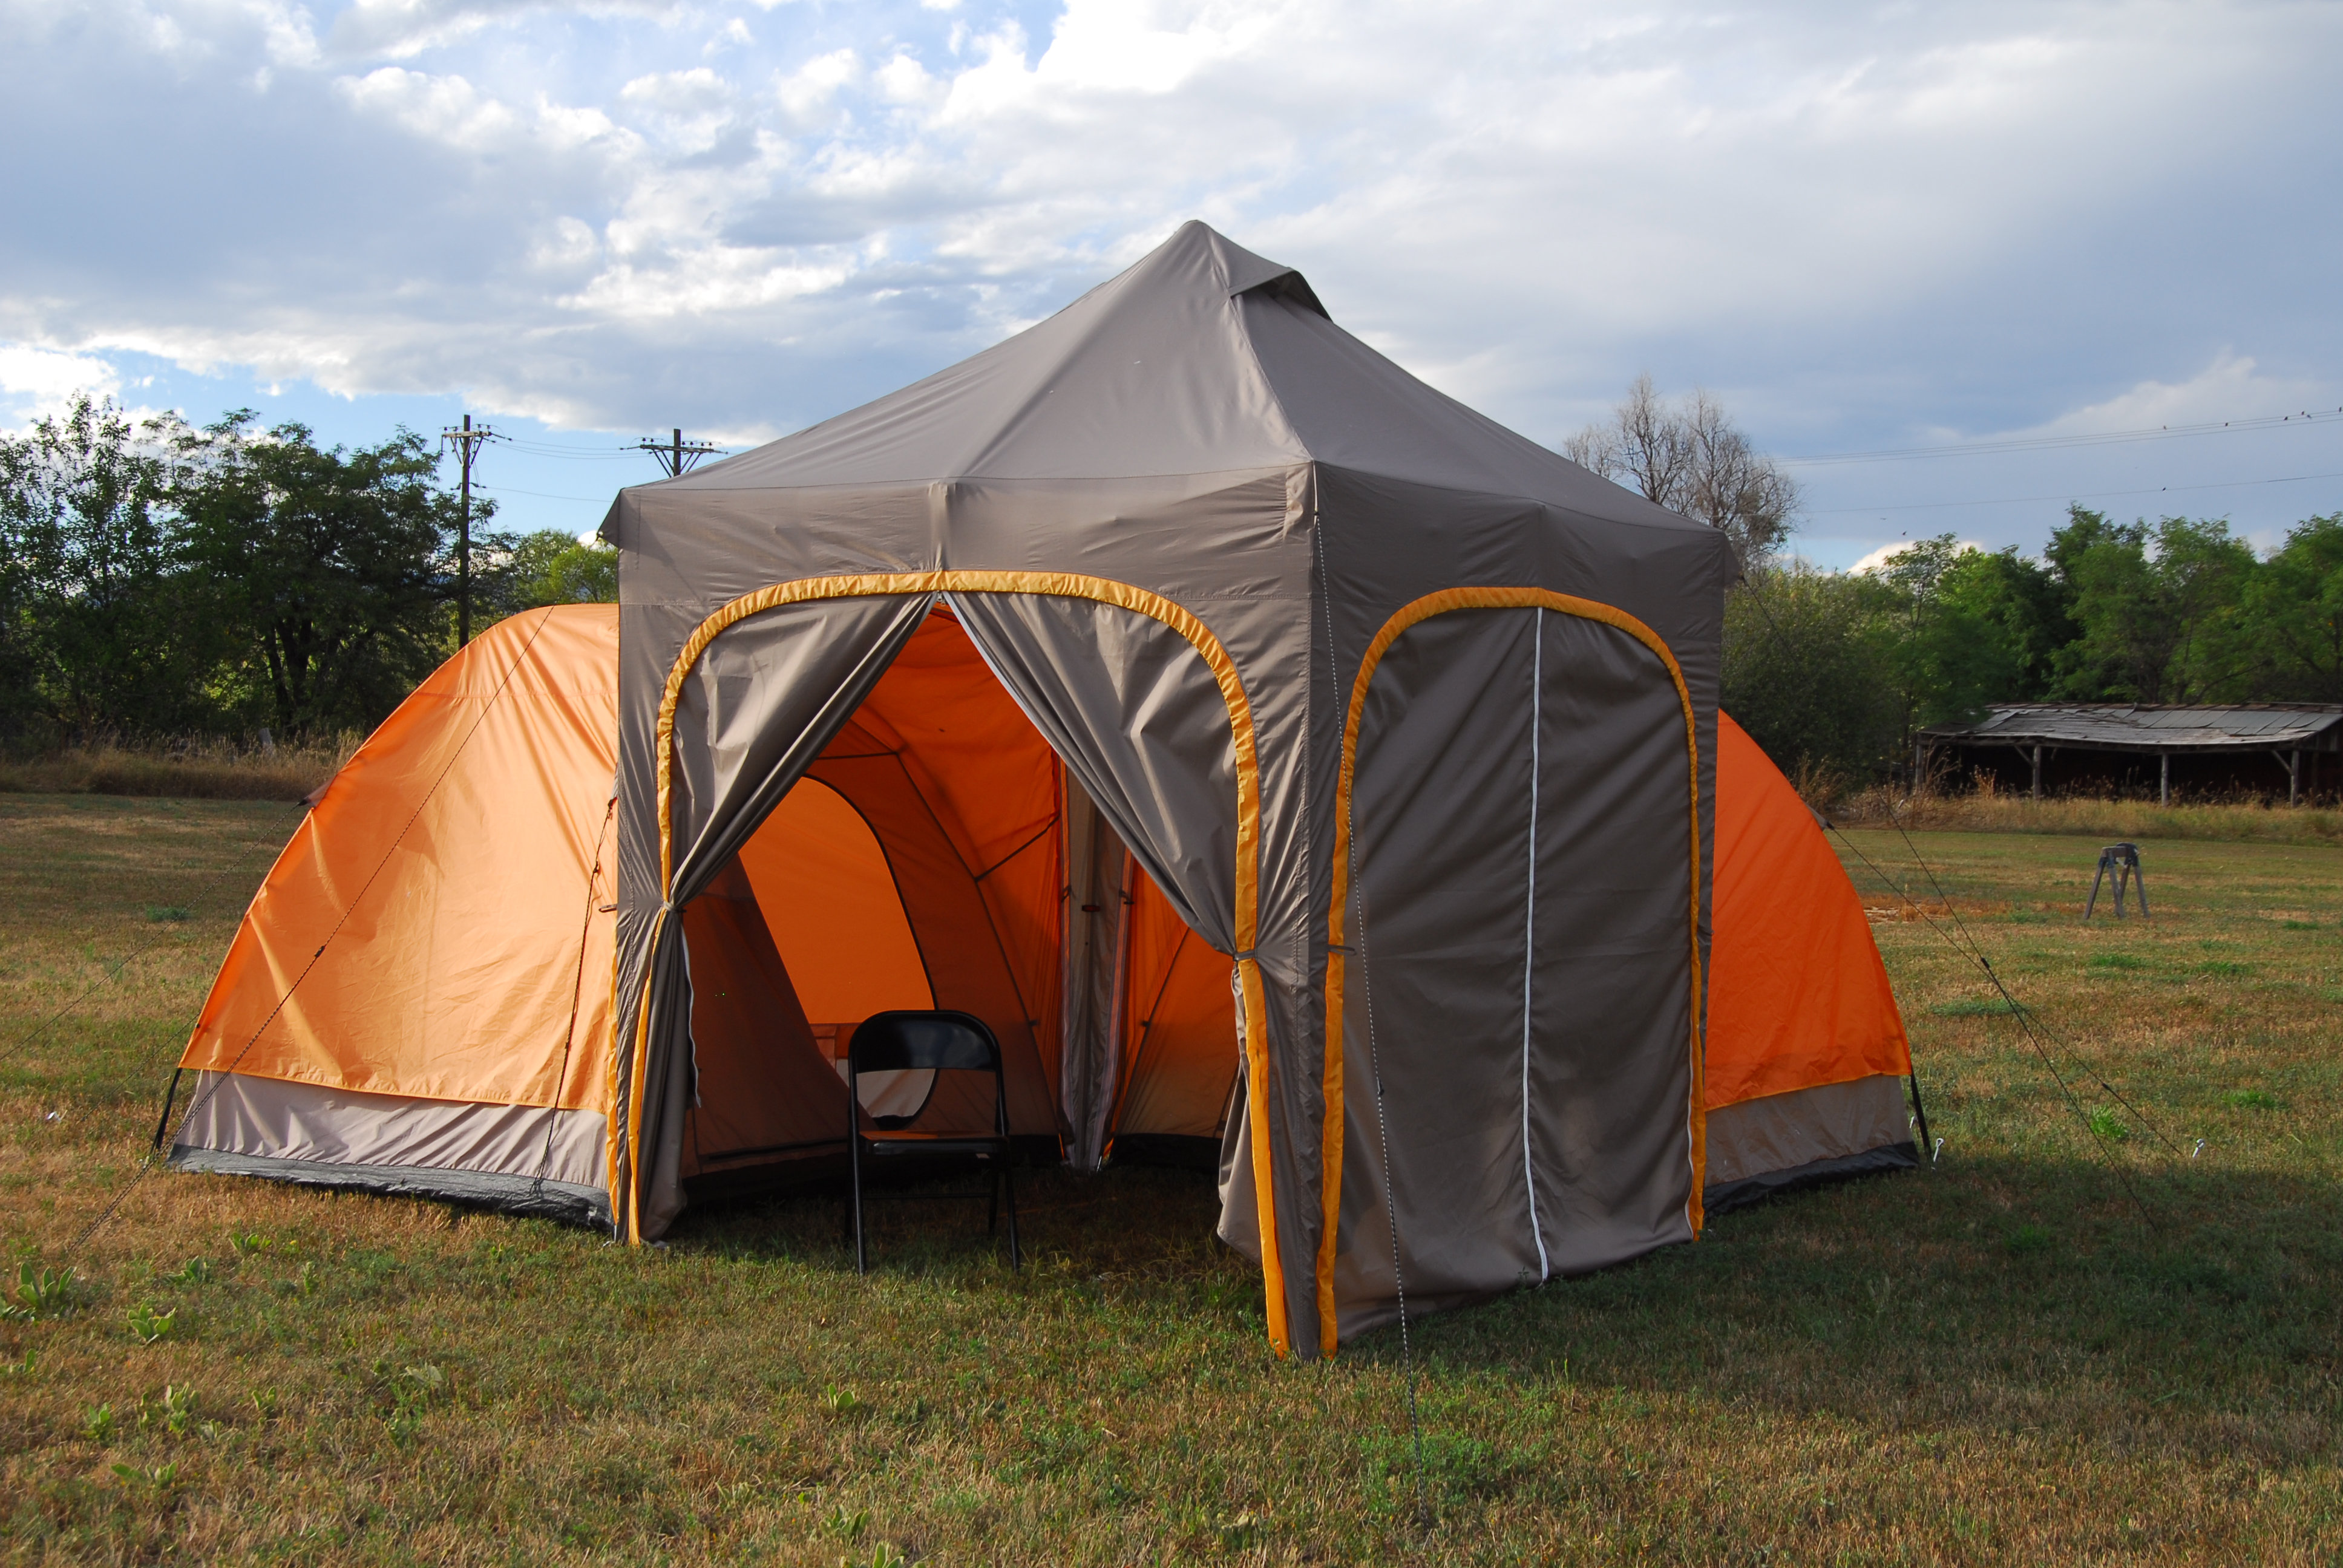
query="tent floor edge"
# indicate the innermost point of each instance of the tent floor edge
(1727, 1196)
(530, 1196)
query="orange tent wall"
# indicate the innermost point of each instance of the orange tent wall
(1798, 997)
(1180, 1052)
(436, 927)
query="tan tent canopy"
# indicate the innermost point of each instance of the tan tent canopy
(1232, 722)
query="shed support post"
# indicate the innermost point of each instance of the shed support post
(2164, 777)
(2294, 777)
(2036, 792)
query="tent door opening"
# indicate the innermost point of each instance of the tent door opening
(937, 854)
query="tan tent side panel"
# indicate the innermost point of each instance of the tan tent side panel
(1760, 1146)
(533, 1160)
(426, 966)
(1521, 975)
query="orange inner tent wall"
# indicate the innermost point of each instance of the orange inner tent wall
(1179, 1049)
(1798, 997)
(830, 901)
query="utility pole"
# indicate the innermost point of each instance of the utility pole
(678, 455)
(467, 442)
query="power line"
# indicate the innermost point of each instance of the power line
(2070, 495)
(555, 449)
(540, 495)
(2053, 443)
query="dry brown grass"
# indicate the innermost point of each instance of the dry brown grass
(1985, 811)
(2006, 1359)
(197, 769)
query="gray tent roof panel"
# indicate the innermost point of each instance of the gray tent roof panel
(1201, 358)
(2252, 726)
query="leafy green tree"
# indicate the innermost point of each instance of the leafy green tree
(2027, 612)
(1803, 656)
(1948, 656)
(105, 628)
(328, 566)
(2156, 608)
(548, 567)
(2291, 615)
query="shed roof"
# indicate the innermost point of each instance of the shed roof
(2153, 726)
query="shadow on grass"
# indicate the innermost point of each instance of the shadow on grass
(2009, 1295)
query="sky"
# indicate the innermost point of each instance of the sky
(1928, 255)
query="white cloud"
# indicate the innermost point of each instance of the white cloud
(1861, 227)
(36, 381)
(2230, 388)
(903, 80)
(694, 92)
(810, 87)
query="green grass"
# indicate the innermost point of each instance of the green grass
(2009, 1358)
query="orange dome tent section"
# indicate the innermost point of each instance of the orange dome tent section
(1806, 1050)
(418, 999)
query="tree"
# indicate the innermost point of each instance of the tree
(2026, 609)
(328, 565)
(2156, 609)
(104, 628)
(2291, 613)
(1946, 656)
(1803, 657)
(1691, 460)
(548, 567)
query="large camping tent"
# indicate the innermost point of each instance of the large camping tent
(1180, 687)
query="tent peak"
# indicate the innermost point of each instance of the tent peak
(1241, 269)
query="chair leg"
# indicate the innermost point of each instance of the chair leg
(1008, 1186)
(854, 1159)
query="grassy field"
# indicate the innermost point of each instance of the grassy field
(2054, 1347)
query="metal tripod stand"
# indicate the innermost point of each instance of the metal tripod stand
(2122, 862)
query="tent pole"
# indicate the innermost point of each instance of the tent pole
(164, 1125)
(1919, 1110)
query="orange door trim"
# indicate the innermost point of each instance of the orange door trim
(1061, 585)
(1331, 1132)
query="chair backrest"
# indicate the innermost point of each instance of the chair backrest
(906, 1042)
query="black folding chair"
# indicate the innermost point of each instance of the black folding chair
(911, 1042)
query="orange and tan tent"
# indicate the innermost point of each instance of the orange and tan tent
(419, 998)
(1264, 745)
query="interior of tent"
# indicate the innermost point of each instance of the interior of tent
(937, 855)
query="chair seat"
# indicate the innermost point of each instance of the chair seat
(930, 1143)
